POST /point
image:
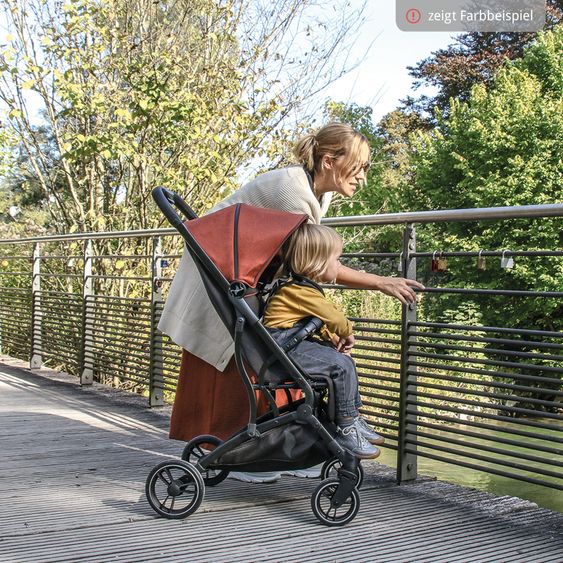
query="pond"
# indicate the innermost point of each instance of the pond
(544, 496)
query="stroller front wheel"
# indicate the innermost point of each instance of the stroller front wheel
(175, 489)
(330, 469)
(326, 513)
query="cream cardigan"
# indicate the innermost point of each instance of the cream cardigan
(188, 316)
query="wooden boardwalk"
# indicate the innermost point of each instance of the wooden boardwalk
(73, 463)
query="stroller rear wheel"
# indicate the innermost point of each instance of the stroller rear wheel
(326, 512)
(175, 489)
(199, 447)
(330, 469)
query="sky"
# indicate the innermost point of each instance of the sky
(382, 79)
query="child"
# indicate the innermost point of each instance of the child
(310, 256)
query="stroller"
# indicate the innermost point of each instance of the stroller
(237, 266)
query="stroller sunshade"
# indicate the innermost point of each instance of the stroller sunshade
(257, 231)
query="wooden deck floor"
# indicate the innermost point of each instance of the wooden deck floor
(73, 463)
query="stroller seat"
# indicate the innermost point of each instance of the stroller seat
(236, 258)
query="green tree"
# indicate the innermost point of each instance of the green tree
(140, 93)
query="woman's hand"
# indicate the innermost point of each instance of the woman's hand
(345, 345)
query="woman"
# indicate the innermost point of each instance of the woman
(210, 394)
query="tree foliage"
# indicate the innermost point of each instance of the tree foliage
(140, 93)
(502, 147)
(474, 58)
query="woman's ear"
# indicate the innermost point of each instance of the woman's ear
(326, 162)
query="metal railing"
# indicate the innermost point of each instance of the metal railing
(455, 391)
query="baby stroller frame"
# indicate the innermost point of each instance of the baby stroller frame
(296, 436)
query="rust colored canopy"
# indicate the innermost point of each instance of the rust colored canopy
(242, 239)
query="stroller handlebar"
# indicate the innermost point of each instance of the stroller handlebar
(167, 201)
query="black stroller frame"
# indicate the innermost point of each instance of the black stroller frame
(176, 489)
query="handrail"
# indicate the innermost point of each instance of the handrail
(436, 216)
(451, 215)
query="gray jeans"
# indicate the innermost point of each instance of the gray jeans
(319, 358)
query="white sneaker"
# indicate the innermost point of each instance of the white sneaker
(263, 477)
(310, 473)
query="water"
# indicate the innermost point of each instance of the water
(543, 496)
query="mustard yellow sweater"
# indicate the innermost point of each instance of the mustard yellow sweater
(295, 302)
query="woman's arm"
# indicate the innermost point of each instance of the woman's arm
(400, 288)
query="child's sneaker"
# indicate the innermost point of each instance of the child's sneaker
(368, 432)
(351, 439)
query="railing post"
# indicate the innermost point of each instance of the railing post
(156, 372)
(87, 359)
(406, 461)
(36, 343)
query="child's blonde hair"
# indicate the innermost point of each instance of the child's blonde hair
(307, 251)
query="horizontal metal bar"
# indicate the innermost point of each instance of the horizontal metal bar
(112, 299)
(120, 256)
(525, 331)
(497, 406)
(505, 292)
(485, 383)
(491, 373)
(495, 461)
(65, 294)
(448, 215)
(27, 273)
(43, 276)
(108, 361)
(125, 278)
(391, 407)
(491, 449)
(482, 350)
(480, 414)
(502, 396)
(486, 253)
(485, 362)
(366, 255)
(485, 469)
(464, 338)
(490, 438)
(107, 349)
(492, 427)
(377, 321)
(376, 358)
(366, 379)
(361, 366)
(142, 233)
(377, 386)
(57, 354)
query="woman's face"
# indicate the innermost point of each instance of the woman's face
(332, 266)
(346, 183)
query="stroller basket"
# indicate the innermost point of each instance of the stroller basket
(236, 257)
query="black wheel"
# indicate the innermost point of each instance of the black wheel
(331, 467)
(321, 503)
(199, 447)
(175, 489)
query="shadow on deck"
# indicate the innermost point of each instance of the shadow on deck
(73, 463)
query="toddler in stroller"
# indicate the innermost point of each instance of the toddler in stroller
(236, 258)
(311, 256)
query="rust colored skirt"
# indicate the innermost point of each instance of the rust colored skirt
(209, 401)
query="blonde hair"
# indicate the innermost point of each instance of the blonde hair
(335, 140)
(307, 251)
